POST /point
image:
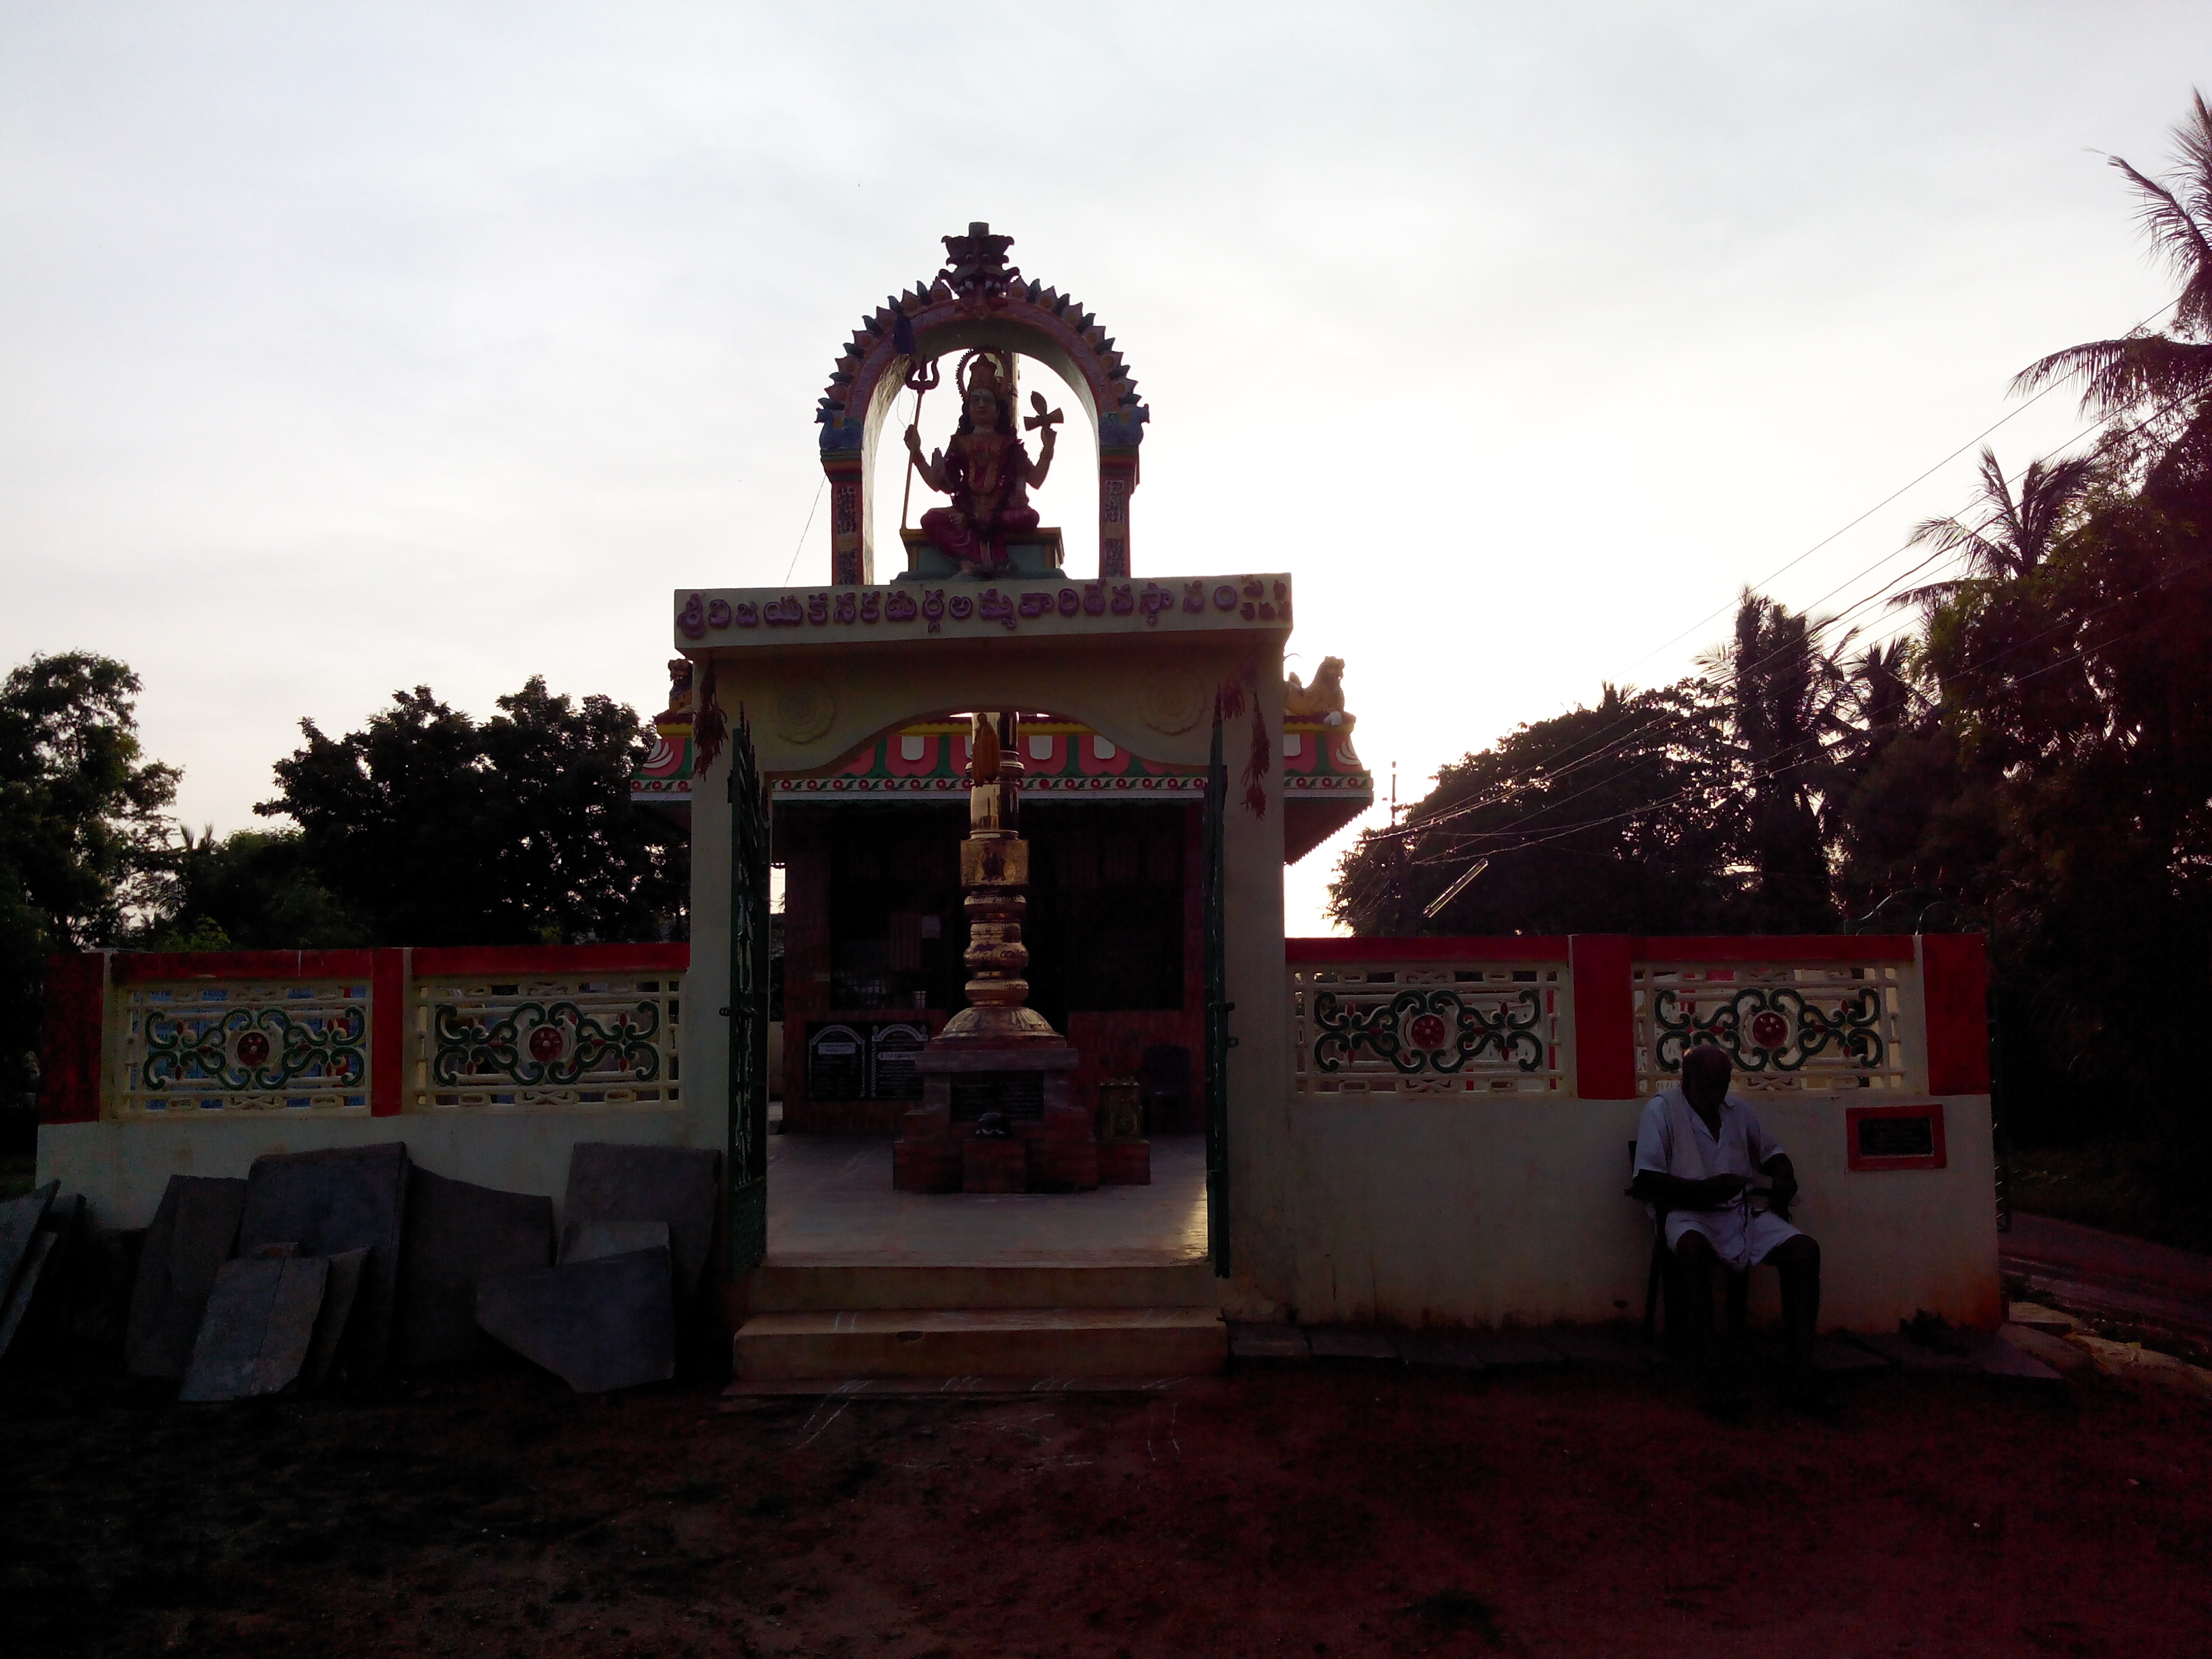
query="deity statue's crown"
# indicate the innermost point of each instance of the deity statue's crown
(980, 371)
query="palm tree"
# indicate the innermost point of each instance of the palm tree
(1882, 695)
(2016, 532)
(2165, 379)
(1786, 711)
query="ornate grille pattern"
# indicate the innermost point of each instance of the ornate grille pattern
(535, 1042)
(1426, 1028)
(245, 1047)
(1823, 1030)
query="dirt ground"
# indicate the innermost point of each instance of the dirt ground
(1310, 1511)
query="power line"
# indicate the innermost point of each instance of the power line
(1890, 727)
(1888, 499)
(1816, 629)
(801, 547)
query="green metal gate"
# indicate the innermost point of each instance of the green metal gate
(1218, 1040)
(748, 1009)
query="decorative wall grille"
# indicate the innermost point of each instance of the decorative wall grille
(1426, 1028)
(1830, 1029)
(267, 1046)
(532, 1042)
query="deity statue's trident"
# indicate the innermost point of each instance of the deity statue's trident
(921, 378)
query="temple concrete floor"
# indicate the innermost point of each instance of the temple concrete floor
(831, 1204)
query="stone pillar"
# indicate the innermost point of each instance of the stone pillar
(1117, 483)
(848, 541)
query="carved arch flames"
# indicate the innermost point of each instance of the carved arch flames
(977, 300)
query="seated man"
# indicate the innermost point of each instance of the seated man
(1696, 1152)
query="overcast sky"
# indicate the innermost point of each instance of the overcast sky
(343, 348)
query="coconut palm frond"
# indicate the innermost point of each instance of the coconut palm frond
(2018, 528)
(2120, 377)
(1929, 596)
(2173, 228)
(2193, 184)
(2051, 493)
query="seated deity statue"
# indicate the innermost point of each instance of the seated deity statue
(986, 470)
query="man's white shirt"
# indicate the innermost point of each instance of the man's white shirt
(1673, 1139)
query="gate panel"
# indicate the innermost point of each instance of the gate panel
(748, 1009)
(1218, 1040)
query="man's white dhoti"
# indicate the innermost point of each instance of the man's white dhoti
(1673, 1139)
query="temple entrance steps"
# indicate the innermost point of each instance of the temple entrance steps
(946, 1342)
(790, 1287)
(864, 1281)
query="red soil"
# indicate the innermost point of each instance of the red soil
(1314, 1511)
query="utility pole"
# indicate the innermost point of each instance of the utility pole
(1401, 858)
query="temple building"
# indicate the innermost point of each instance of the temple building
(1057, 1093)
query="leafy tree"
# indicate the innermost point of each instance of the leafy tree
(80, 827)
(252, 890)
(429, 829)
(1563, 813)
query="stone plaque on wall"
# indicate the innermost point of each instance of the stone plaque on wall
(892, 1048)
(836, 1062)
(1020, 1095)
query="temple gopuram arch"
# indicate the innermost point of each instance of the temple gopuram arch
(977, 301)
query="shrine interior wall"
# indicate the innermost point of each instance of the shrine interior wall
(874, 932)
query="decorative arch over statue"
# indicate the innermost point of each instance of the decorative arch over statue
(976, 302)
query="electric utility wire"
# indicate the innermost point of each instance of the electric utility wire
(1824, 624)
(1815, 631)
(801, 547)
(1893, 494)
(1815, 744)
(1818, 746)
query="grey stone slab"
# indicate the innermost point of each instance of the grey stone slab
(1831, 1354)
(594, 1240)
(36, 1308)
(1900, 1349)
(596, 1325)
(28, 1277)
(326, 1202)
(1453, 1348)
(259, 1324)
(457, 1233)
(19, 1224)
(2056, 1353)
(1993, 1356)
(2042, 1318)
(194, 1232)
(675, 1184)
(1335, 1342)
(229, 1346)
(1267, 1342)
(339, 1294)
(1603, 1345)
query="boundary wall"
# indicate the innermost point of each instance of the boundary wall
(1449, 1141)
(489, 1063)
(1462, 1111)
